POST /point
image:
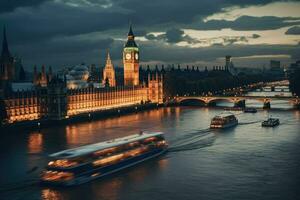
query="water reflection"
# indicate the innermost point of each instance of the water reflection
(297, 115)
(51, 194)
(163, 163)
(35, 143)
(109, 190)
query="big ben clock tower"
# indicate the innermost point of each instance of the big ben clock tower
(131, 61)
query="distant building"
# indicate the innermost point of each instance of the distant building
(109, 73)
(229, 65)
(293, 67)
(275, 69)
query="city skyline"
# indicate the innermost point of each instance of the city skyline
(253, 32)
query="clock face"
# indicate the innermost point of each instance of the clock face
(128, 56)
(136, 56)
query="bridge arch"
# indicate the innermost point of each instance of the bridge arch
(192, 101)
(215, 101)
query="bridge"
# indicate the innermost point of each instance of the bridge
(239, 101)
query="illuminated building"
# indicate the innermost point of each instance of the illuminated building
(109, 73)
(131, 61)
(22, 106)
(56, 98)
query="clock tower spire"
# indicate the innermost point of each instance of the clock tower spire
(131, 60)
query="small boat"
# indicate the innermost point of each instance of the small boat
(86, 163)
(222, 121)
(250, 110)
(270, 122)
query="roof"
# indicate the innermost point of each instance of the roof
(19, 86)
(130, 41)
(87, 149)
(130, 33)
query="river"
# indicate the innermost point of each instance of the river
(245, 162)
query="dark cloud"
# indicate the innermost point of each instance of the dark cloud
(65, 51)
(172, 36)
(11, 5)
(177, 54)
(43, 31)
(295, 30)
(140, 33)
(178, 11)
(42, 24)
(248, 23)
(232, 40)
(255, 36)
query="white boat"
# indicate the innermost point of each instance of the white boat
(225, 120)
(86, 163)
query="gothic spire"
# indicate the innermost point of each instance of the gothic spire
(108, 60)
(5, 51)
(108, 56)
(130, 33)
(130, 39)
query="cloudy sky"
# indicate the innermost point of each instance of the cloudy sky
(201, 32)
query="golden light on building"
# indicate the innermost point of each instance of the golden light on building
(109, 72)
(58, 102)
(131, 61)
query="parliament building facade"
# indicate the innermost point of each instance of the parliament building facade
(51, 98)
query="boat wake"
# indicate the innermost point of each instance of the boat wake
(253, 122)
(191, 141)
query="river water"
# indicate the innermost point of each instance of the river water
(245, 162)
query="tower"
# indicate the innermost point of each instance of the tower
(131, 61)
(109, 72)
(7, 68)
(155, 87)
(56, 99)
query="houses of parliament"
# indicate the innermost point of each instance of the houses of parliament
(51, 98)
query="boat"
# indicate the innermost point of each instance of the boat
(225, 120)
(250, 110)
(79, 165)
(270, 122)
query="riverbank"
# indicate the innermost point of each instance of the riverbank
(102, 114)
